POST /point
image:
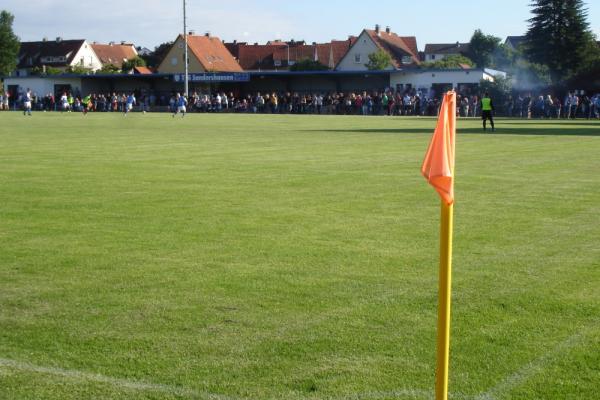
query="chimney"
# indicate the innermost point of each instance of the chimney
(58, 39)
(122, 42)
(377, 29)
(191, 33)
(388, 30)
(207, 34)
(44, 39)
(314, 43)
(111, 43)
(234, 41)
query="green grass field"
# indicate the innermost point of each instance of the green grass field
(240, 257)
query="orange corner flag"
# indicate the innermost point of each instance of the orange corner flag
(438, 166)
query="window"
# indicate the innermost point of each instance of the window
(406, 60)
(357, 58)
(277, 63)
(174, 61)
(433, 56)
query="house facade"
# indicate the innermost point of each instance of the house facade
(402, 50)
(438, 51)
(37, 57)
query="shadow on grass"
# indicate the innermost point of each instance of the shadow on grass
(562, 123)
(524, 131)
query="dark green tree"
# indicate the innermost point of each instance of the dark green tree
(134, 62)
(379, 61)
(160, 52)
(560, 38)
(9, 44)
(482, 48)
(308, 65)
(109, 69)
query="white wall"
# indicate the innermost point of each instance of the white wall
(438, 57)
(90, 59)
(424, 79)
(42, 86)
(364, 46)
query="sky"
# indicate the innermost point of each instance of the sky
(148, 23)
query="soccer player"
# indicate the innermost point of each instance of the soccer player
(180, 102)
(27, 103)
(64, 101)
(487, 111)
(86, 102)
(129, 103)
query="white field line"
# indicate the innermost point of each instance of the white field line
(81, 376)
(506, 385)
(532, 368)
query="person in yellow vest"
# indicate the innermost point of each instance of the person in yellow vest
(487, 111)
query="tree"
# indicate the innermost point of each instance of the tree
(78, 70)
(308, 65)
(453, 61)
(160, 51)
(134, 62)
(9, 44)
(482, 48)
(109, 69)
(379, 61)
(559, 37)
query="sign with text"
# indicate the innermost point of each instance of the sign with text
(214, 77)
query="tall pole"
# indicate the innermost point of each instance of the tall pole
(185, 36)
(445, 290)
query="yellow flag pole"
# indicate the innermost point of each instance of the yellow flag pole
(443, 334)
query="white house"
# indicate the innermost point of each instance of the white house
(36, 57)
(402, 50)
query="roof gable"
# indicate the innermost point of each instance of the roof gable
(212, 53)
(399, 48)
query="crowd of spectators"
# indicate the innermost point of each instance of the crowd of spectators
(350, 103)
(386, 102)
(549, 106)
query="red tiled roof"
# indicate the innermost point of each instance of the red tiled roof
(142, 70)
(396, 46)
(254, 57)
(115, 54)
(212, 54)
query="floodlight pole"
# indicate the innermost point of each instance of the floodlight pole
(185, 38)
